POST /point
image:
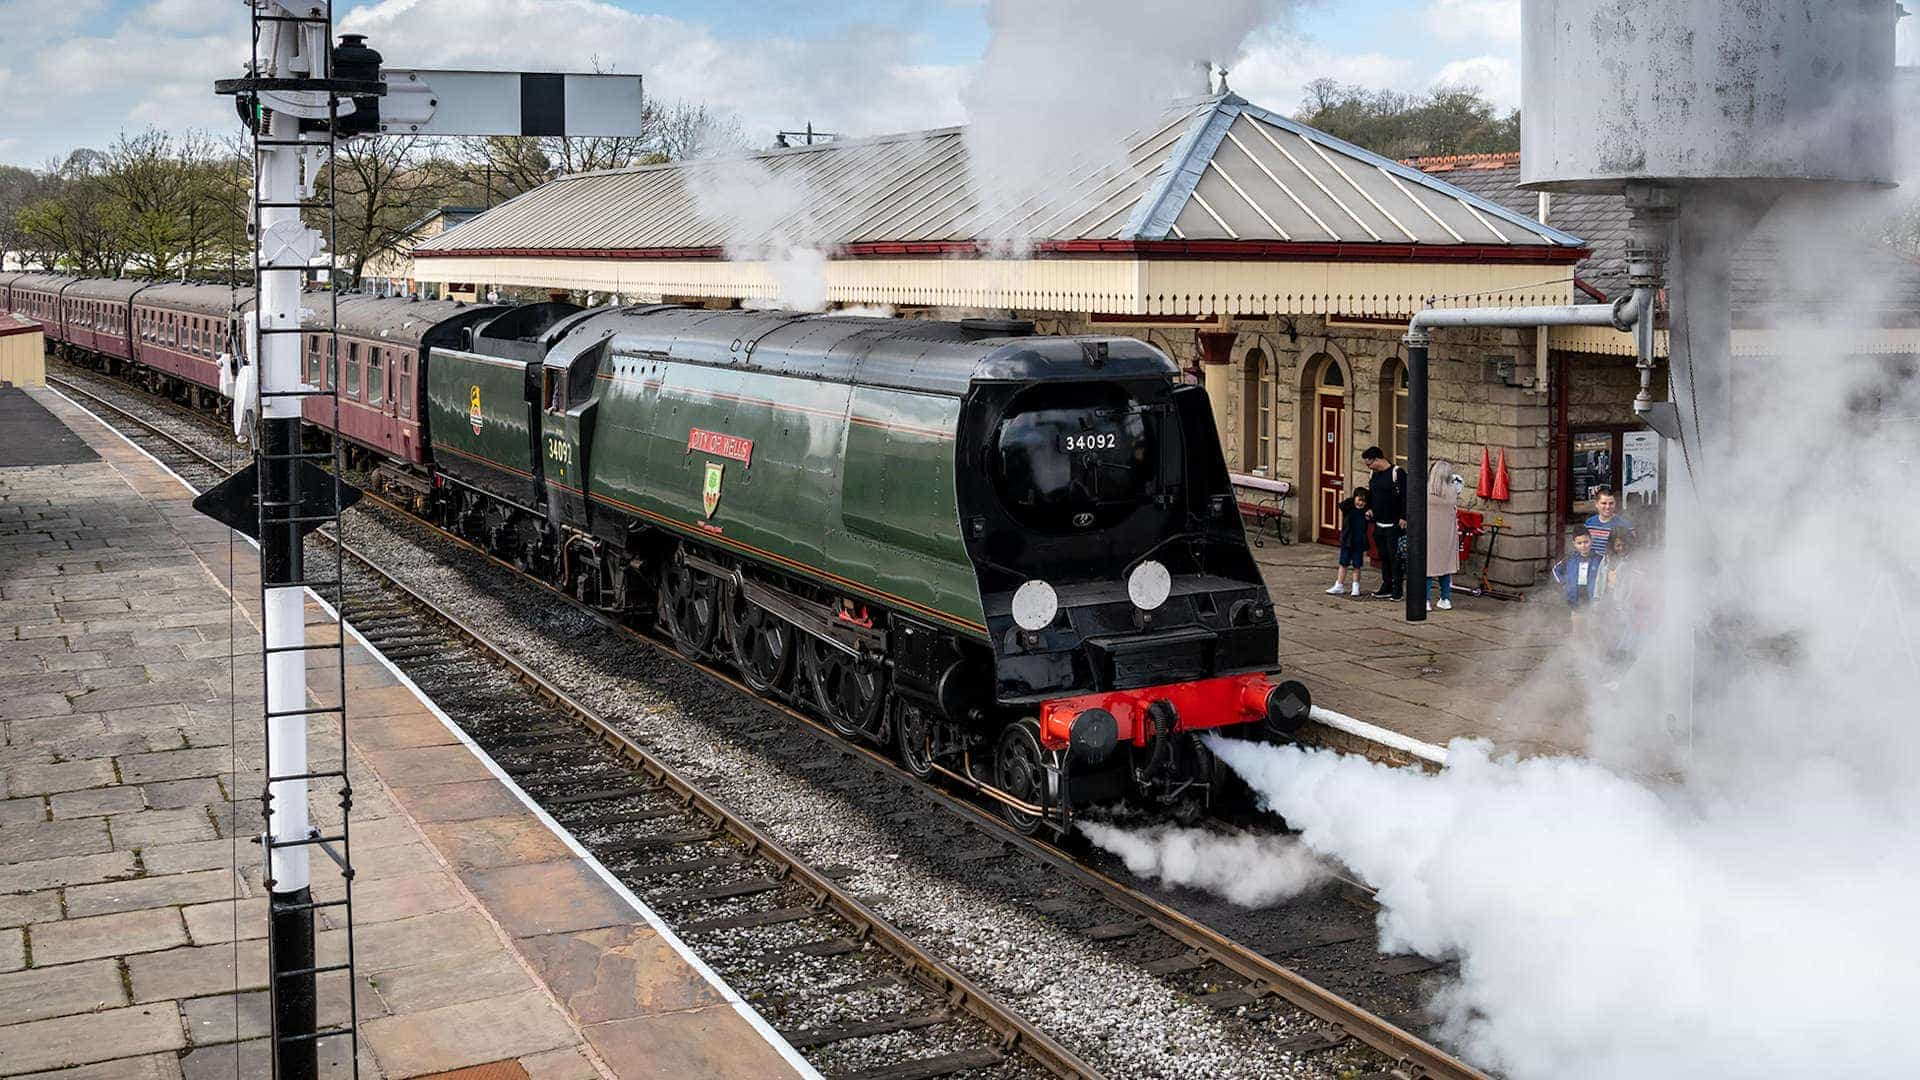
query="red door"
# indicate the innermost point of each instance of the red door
(1331, 469)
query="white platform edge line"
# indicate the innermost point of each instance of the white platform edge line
(727, 992)
(1374, 733)
(746, 1011)
(118, 434)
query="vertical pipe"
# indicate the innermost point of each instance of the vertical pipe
(1414, 573)
(290, 921)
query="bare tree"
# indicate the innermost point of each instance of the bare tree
(382, 188)
(501, 167)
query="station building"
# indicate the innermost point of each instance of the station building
(1275, 263)
(390, 271)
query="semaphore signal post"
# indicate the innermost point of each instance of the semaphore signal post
(300, 96)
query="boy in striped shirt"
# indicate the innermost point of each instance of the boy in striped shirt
(1606, 523)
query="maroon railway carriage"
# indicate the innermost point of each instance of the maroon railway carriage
(94, 316)
(7, 278)
(37, 296)
(183, 329)
(378, 372)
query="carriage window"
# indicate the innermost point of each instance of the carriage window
(353, 370)
(313, 360)
(403, 381)
(376, 378)
(332, 363)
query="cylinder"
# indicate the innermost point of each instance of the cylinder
(1762, 92)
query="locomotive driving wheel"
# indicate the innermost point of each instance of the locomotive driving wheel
(1020, 770)
(762, 645)
(847, 692)
(690, 606)
(913, 731)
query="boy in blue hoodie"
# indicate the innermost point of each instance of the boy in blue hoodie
(1583, 574)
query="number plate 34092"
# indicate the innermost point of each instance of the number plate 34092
(1077, 441)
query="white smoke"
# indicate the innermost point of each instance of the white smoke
(1063, 82)
(1250, 869)
(1726, 885)
(768, 210)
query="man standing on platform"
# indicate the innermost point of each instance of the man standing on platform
(1387, 505)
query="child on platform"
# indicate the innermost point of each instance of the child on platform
(1582, 575)
(1353, 542)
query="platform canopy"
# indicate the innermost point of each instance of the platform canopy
(1216, 207)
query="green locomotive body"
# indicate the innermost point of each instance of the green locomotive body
(861, 516)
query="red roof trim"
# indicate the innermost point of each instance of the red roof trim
(18, 324)
(1244, 250)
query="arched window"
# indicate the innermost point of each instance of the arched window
(1330, 373)
(1393, 407)
(1256, 406)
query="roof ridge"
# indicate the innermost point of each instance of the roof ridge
(1409, 173)
(1154, 214)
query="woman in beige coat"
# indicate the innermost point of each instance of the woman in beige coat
(1443, 532)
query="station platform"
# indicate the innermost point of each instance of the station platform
(1491, 669)
(487, 943)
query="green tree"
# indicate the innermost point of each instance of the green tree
(20, 188)
(1444, 120)
(81, 226)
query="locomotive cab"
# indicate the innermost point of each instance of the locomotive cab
(1136, 617)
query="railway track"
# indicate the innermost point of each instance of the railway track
(706, 871)
(1204, 963)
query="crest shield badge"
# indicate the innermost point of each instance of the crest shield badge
(474, 416)
(710, 491)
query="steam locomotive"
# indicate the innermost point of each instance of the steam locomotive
(1014, 559)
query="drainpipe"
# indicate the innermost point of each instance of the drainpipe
(1633, 312)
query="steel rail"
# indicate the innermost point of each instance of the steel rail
(1015, 1032)
(1414, 1057)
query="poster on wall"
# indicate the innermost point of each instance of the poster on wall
(1640, 467)
(1592, 463)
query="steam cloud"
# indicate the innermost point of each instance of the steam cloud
(1063, 82)
(767, 208)
(1725, 883)
(1249, 869)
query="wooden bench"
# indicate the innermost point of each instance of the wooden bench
(1263, 501)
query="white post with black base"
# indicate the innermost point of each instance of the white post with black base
(301, 93)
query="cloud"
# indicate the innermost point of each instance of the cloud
(157, 63)
(1498, 77)
(852, 83)
(1494, 22)
(1274, 72)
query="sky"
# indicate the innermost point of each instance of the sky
(90, 69)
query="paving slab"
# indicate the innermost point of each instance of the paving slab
(1472, 672)
(482, 939)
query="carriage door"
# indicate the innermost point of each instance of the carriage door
(1330, 453)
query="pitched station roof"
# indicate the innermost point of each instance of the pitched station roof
(1214, 177)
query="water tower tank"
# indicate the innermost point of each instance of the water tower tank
(1744, 91)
